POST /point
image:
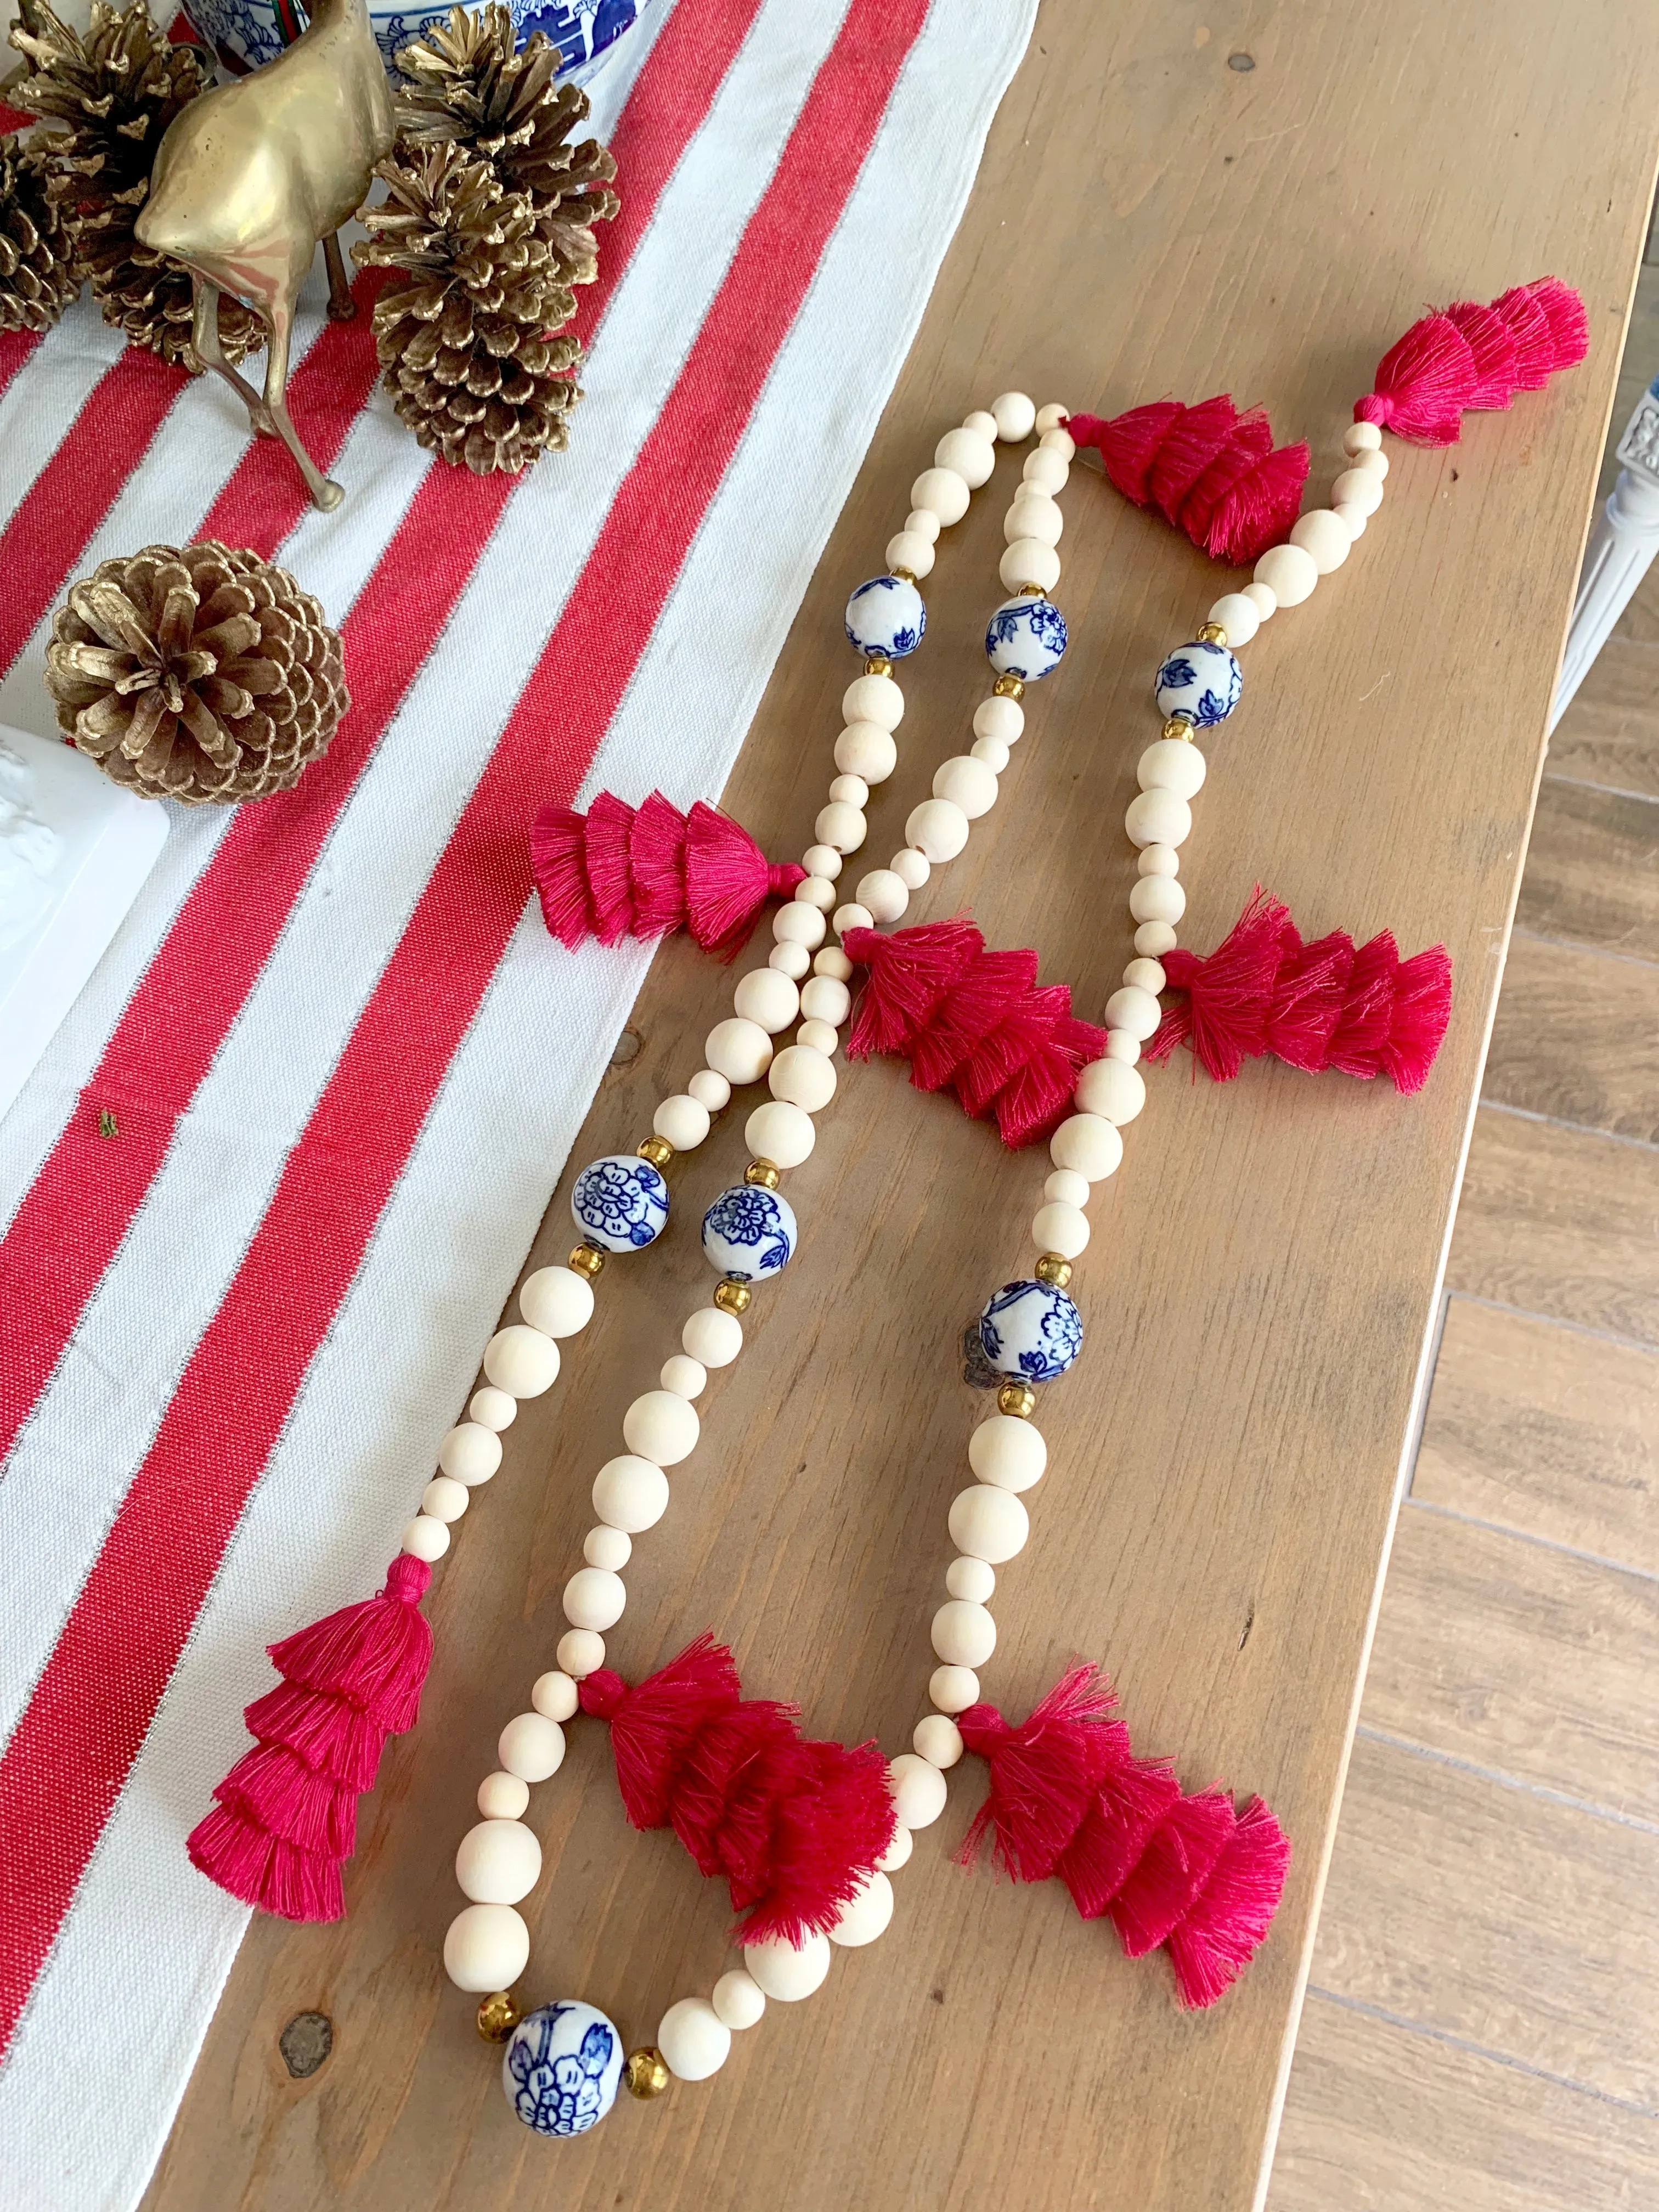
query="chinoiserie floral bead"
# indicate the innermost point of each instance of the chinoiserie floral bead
(680, 1121)
(964, 1635)
(521, 1360)
(498, 1862)
(873, 699)
(919, 1790)
(897, 1853)
(580, 1652)
(532, 1746)
(631, 1493)
(971, 456)
(937, 1738)
(911, 868)
(1289, 574)
(886, 618)
(953, 1689)
(712, 1336)
(1200, 682)
(885, 895)
(659, 1427)
(611, 1548)
(1030, 1329)
(1114, 1092)
(1033, 515)
(1238, 616)
(748, 1232)
(471, 1453)
(1088, 1144)
(781, 1131)
(794, 924)
(1320, 533)
(424, 1538)
(826, 1000)
(974, 1579)
(1157, 898)
(487, 1947)
(908, 548)
(554, 1695)
(840, 824)
(492, 1409)
(684, 1376)
(969, 784)
(563, 2067)
(788, 1972)
(445, 1498)
(1134, 1010)
(694, 2040)
(620, 1203)
(1060, 1228)
(766, 997)
(938, 829)
(1014, 416)
(741, 1050)
(865, 1915)
(1066, 1183)
(1171, 764)
(997, 717)
(503, 1796)
(557, 1301)
(1359, 488)
(710, 1089)
(1025, 637)
(1158, 818)
(1028, 565)
(865, 749)
(738, 1998)
(988, 1523)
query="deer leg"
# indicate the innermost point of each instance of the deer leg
(324, 493)
(341, 305)
(204, 337)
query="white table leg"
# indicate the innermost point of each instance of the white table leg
(1620, 550)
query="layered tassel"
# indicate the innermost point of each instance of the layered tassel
(1471, 357)
(1068, 1800)
(792, 1826)
(975, 1021)
(1214, 473)
(285, 1815)
(1359, 1009)
(620, 872)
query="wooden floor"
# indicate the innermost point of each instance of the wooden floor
(1482, 2023)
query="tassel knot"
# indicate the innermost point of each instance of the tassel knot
(620, 872)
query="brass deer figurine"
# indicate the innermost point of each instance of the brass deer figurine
(252, 176)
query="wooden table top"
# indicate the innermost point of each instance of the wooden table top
(1152, 217)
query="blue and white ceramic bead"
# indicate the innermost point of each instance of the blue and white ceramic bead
(886, 618)
(1200, 683)
(253, 32)
(748, 1232)
(1025, 637)
(1032, 1330)
(620, 1203)
(563, 2067)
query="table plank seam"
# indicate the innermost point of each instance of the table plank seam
(1554, 1321)
(1575, 1128)
(1529, 1536)
(1504, 1780)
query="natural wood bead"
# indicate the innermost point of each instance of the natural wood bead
(593, 1598)
(1157, 898)
(967, 783)
(1062, 1229)
(557, 1300)
(1114, 1092)
(1029, 563)
(874, 698)
(789, 1972)
(866, 1914)
(680, 1121)
(943, 492)
(492, 1409)
(553, 1694)
(834, 962)
(1238, 616)
(738, 1998)
(1033, 515)
(910, 550)
(1053, 416)
(503, 1796)
(1000, 717)
(1014, 415)
(938, 829)
(498, 1862)
(661, 1428)
(1065, 1184)
(897, 1853)
(1046, 471)
(694, 2040)
(684, 1376)
(1171, 764)
(522, 1361)
(445, 1498)
(826, 1000)
(1352, 518)
(471, 1453)
(1058, 440)
(1157, 859)
(769, 1000)
(487, 1947)
(919, 1790)
(841, 825)
(1357, 487)
(532, 1746)
(936, 1738)
(580, 1652)
(991, 752)
(818, 1036)
(982, 420)
(1122, 1046)
(739, 1049)
(804, 1077)
(1157, 817)
(974, 1579)
(849, 790)
(711, 1336)
(1262, 596)
(911, 868)
(824, 860)
(1289, 573)
(988, 1523)
(817, 890)
(1362, 438)
(424, 1538)
(1008, 1452)
(963, 1635)
(1155, 939)
(923, 522)
(953, 1689)
(610, 1548)
(629, 1493)
(798, 925)
(793, 961)
(865, 749)
(781, 1131)
(1134, 1010)
(1319, 533)
(851, 916)
(1088, 1144)
(1147, 975)
(972, 457)
(885, 894)
(710, 1089)
(1373, 460)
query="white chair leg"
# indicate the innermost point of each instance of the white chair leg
(1621, 549)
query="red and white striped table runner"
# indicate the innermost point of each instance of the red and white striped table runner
(345, 1062)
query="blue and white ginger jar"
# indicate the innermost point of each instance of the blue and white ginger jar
(561, 2068)
(1200, 683)
(1025, 637)
(886, 616)
(748, 1232)
(620, 1203)
(1030, 1330)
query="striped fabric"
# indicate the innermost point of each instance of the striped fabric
(345, 1061)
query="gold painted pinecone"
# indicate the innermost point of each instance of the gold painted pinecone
(468, 341)
(467, 87)
(113, 93)
(196, 673)
(36, 281)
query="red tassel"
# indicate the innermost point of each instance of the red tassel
(1210, 471)
(286, 1814)
(617, 872)
(794, 1826)
(1362, 1011)
(910, 973)
(1066, 1798)
(1475, 357)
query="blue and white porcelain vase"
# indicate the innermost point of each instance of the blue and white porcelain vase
(563, 2067)
(748, 1232)
(247, 32)
(620, 1203)
(1030, 1330)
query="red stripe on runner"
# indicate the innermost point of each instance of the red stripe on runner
(71, 1222)
(16, 347)
(70, 1753)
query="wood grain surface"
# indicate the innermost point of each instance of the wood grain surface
(1224, 1462)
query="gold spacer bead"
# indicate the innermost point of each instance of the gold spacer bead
(498, 2015)
(1211, 634)
(1029, 592)
(905, 575)
(763, 1173)
(1051, 1268)
(1018, 1399)
(1178, 727)
(878, 664)
(657, 1150)
(1008, 687)
(586, 1260)
(646, 2072)
(734, 1297)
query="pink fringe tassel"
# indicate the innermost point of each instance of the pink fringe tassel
(1212, 473)
(1471, 357)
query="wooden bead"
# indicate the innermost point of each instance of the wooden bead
(1029, 565)
(987, 1522)
(522, 1361)
(1158, 818)
(967, 783)
(824, 860)
(781, 1131)
(865, 749)
(738, 1998)
(713, 1337)
(910, 550)
(1014, 415)
(1352, 518)
(1361, 438)
(1008, 1452)
(471, 1453)
(850, 790)
(1134, 1010)
(770, 1000)
(444, 1498)
(424, 1538)
(788, 1972)
(1373, 460)
(1046, 471)
(851, 916)
(963, 1635)
(1000, 717)
(532, 1746)
(974, 1579)
(553, 1694)
(492, 1409)
(1058, 440)
(661, 1428)
(991, 752)
(1318, 532)
(498, 1862)
(1262, 597)
(938, 829)
(680, 1121)
(804, 1077)
(694, 2040)
(925, 524)
(1053, 416)
(1114, 1092)
(1157, 860)
(825, 999)
(610, 1548)
(972, 457)
(503, 1796)
(1171, 764)
(741, 1050)
(1033, 515)
(1121, 1046)
(981, 419)
(1155, 939)
(897, 1853)
(936, 1738)
(953, 1689)
(874, 698)
(710, 1089)
(684, 1376)
(1357, 487)
(943, 492)
(557, 1300)
(1146, 974)
(1239, 617)
(1088, 1144)
(1065, 1184)
(818, 890)
(580, 1652)
(866, 1914)
(1157, 898)
(885, 894)
(1289, 573)
(919, 1790)
(911, 869)
(841, 825)
(629, 1493)
(834, 962)
(1062, 1229)
(487, 1947)
(795, 923)
(793, 961)
(593, 1598)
